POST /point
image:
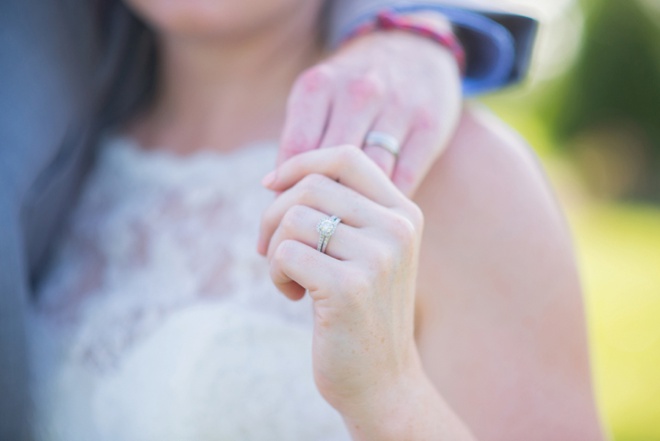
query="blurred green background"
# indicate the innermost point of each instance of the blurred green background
(591, 109)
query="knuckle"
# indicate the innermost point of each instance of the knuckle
(367, 87)
(406, 175)
(349, 154)
(296, 141)
(315, 78)
(383, 259)
(426, 118)
(312, 182)
(398, 99)
(365, 90)
(309, 186)
(307, 87)
(402, 230)
(293, 218)
(415, 215)
(285, 251)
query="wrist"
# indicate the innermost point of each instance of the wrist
(397, 410)
(407, 407)
(431, 26)
(435, 20)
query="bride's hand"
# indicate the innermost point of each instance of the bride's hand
(363, 286)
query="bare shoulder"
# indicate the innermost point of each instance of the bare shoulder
(489, 168)
(500, 325)
(487, 202)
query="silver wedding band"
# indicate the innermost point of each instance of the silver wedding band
(326, 228)
(383, 140)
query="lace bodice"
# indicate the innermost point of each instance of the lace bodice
(157, 319)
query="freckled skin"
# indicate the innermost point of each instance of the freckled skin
(315, 79)
(363, 91)
(485, 309)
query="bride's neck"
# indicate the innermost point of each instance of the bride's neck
(225, 93)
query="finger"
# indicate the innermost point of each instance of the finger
(425, 143)
(296, 267)
(354, 110)
(324, 195)
(346, 164)
(394, 124)
(300, 223)
(415, 159)
(307, 113)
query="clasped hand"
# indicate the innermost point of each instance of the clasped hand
(363, 286)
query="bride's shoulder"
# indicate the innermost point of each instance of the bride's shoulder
(498, 294)
(489, 212)
(488, 176)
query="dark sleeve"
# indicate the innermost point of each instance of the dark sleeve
(43, 95)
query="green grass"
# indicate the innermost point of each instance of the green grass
(619, 253)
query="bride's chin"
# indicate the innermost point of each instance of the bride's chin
(204, 19)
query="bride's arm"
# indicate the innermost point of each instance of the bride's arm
(500, 325)
(500, 349)
(365, 361)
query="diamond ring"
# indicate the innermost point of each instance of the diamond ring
(384, 140)
(326, 228)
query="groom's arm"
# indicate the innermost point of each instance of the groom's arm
(411, 83)
(498, 43)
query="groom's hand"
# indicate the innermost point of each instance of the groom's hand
(394, 82)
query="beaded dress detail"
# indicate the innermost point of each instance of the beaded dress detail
(157, 318)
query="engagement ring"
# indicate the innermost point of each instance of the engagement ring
(326, 228)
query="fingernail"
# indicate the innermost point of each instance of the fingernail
(269, 179)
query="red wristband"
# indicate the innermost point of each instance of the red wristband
(387, 20)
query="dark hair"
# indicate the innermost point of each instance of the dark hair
(128, 62)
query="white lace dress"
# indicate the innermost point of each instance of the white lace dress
(158, 320)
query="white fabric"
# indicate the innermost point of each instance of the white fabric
(158, 319)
